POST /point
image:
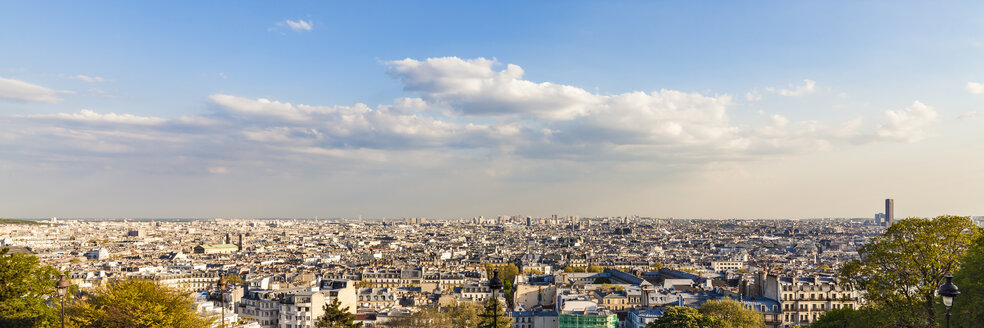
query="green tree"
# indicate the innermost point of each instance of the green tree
(25, 287)
(836, 318)
(869, 316)
(337, 317)
(968, 308)
(575, 269)
(234, 279)
(595, 268)
(494, 315)
(136, 303)
(464, 315)
(683, 317)
(602, 280)
(901, 270)
(732, 314)
(461, 315)
(425, 318)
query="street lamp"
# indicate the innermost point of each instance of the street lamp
(949, 292)
(62, 289)
(495, 284)
(222, 286)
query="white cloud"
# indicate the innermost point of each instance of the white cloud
(299, 25)
(808, 87)
(16, 90)
(472, 109)
(968, 116)
(753, 96)
(473, 87)
(975, 88)
(907, 124)
(88, 79)
(86, 115)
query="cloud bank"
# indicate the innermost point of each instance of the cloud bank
(459, 110)
(16, 90)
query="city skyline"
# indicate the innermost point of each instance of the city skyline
(712, 110)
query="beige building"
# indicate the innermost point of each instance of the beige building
(804, 299)
(216, 249)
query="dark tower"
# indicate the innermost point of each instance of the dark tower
(240, 241)
(889, 211)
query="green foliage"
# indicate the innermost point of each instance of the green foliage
(234, 279)
(337, 317)
(869, 316)
(683, 317)
(731, 314)
(595, 268)
(494, 316)
(461, 315)
(137, 303)
(25, 288)
(968, 308)
(602, 280)
(575, 269)
(507, 272)
(532, 271)
(837, 318)
(901, 270)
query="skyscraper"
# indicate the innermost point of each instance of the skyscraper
(889, 211)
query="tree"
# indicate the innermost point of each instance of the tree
(464, 315)
(869, 316)
(836, 318)
(901, 270)
(337, 317)
(602, 280)
(136, 303)
(683, 317)
(968, 309)
(25, 285)
(234, 279)
(461, 315)
(731, 314)
(425, 318)
(595, 269)
(494, 316)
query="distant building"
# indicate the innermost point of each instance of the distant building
(889, 211)
(97, 254)
(216, 249)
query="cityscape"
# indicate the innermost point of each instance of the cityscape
(507, 164)
(569, 271)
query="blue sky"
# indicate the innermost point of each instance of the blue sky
(245, 109)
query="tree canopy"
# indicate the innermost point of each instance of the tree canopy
(494, 315)
(731, 314)
(337, 317)
(683, 317)
(901, 270)
(137, 303)
(25, 290)
(968, 308)
(461, 315)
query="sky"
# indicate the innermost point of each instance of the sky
(711, 109)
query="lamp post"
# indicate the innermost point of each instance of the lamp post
(495, 284)
(62, 289)
(222, 286)
(948, 291)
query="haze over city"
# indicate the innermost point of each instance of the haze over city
(427, 109)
